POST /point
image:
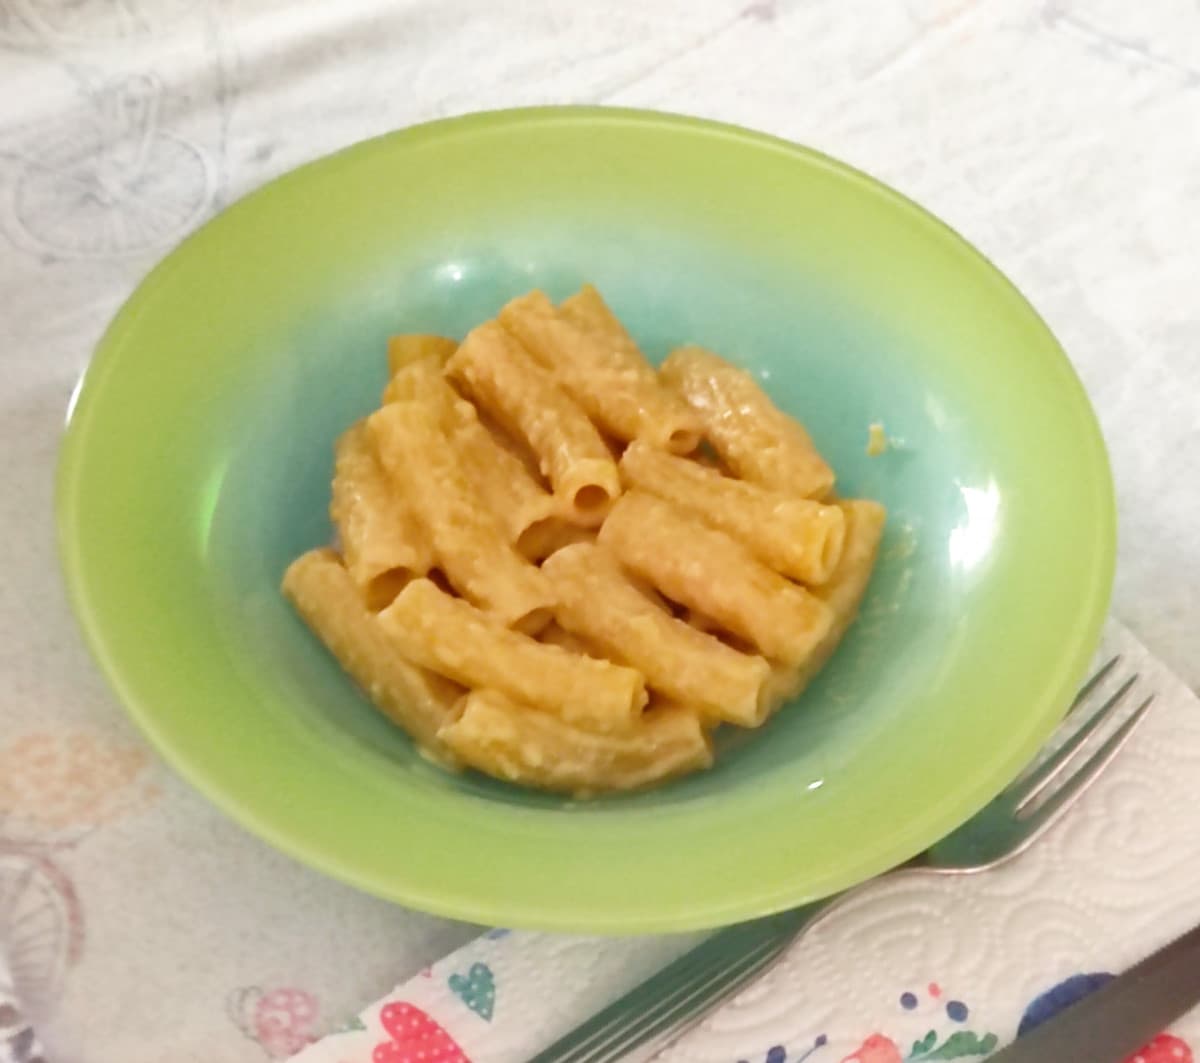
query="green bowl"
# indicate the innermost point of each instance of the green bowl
(198, 459)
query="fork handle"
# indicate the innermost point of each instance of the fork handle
(666, 1005)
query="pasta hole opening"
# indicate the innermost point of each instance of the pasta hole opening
(438, 578)
(459, 703)
(590, 498)
(729, 638)
(380, 592)
(616, 447)
(831, 549)
(534, 621)
(540, 539)
(704, 454)
(736, 642)
(683, 441)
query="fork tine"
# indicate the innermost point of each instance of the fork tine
(1028, 788)
(678, 1019)
(1044, 814)
(683, 992)
(610, 1040)
(1100, 675)
(606, 1042)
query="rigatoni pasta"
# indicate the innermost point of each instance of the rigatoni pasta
(843, 593)
(562, 568)
(600, 604)
(708, 571)
(527, 512)
(412, 347)
(421, 380)
(468, 542)
(518, 744)
(586, 309)
(420, 701)
(596, 361)
(501, 376)
(452, 637)
(383, 543)
(798, 537)
(754, 438)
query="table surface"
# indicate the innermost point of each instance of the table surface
(1061, 136)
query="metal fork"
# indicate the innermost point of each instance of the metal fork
(671, 1002)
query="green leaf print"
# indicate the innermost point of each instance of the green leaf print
(922, 1046)
(961, 1044)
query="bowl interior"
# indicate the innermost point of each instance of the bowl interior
(198, 461)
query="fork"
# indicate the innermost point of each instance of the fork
(669, 1003)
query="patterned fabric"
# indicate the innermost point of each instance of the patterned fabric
(1052, 132)
(18, 1040)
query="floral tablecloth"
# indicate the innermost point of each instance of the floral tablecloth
(1062, 136)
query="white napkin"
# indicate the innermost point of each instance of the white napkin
(912, 967)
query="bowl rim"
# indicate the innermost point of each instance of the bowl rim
(1079, 644)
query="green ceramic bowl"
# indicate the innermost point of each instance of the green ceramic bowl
(198, 459)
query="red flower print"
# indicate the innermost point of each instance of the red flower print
(416, 1038)
(1163, 1049)
(283, 1021)
(280, 1020)
(876, 1049)
(56, 784)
